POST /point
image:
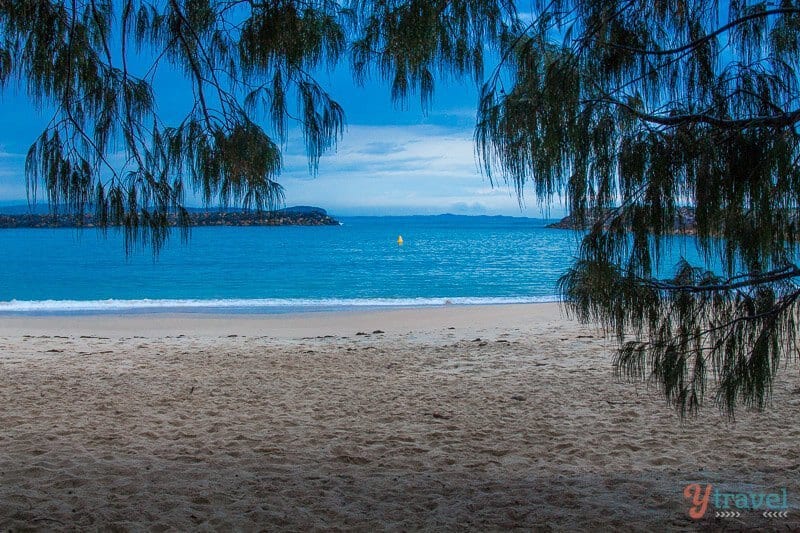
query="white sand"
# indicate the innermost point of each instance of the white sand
(296, 422)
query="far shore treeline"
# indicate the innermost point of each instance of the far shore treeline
(683, 222)
(291, 216)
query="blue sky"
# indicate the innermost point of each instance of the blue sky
(393, 160)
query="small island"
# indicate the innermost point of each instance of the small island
(290, 216)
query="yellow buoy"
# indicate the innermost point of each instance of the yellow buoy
(400, 240)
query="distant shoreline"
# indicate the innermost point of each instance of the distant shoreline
(293, 216)
(684, 223)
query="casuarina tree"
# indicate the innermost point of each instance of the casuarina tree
(633, 110)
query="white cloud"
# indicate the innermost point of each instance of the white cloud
(399, 170)
(376, 170)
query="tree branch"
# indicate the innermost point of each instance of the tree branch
(706, 38)
(779, 120)
(789, 272)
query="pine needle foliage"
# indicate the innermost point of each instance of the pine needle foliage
(632, 110)
(251, 66)
(106, 147)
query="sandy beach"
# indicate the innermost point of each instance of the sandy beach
(450, 418)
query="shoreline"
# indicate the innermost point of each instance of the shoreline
(284, 325)
(248, 306)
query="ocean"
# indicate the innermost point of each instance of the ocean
(444, 260)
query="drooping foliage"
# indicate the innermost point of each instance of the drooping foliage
(251, 67)
(632, 110)
(409, 43)
(107, 149)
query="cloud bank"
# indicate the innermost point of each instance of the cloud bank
(391, 169)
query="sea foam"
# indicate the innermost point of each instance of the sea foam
(267, 305)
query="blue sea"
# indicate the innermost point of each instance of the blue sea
(443, 260)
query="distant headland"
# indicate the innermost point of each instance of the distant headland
(684, 222)
(291, 216)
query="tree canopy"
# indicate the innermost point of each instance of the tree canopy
(251, 66)
(632, 110)
(628, 109)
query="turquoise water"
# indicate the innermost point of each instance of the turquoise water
(463, 260)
